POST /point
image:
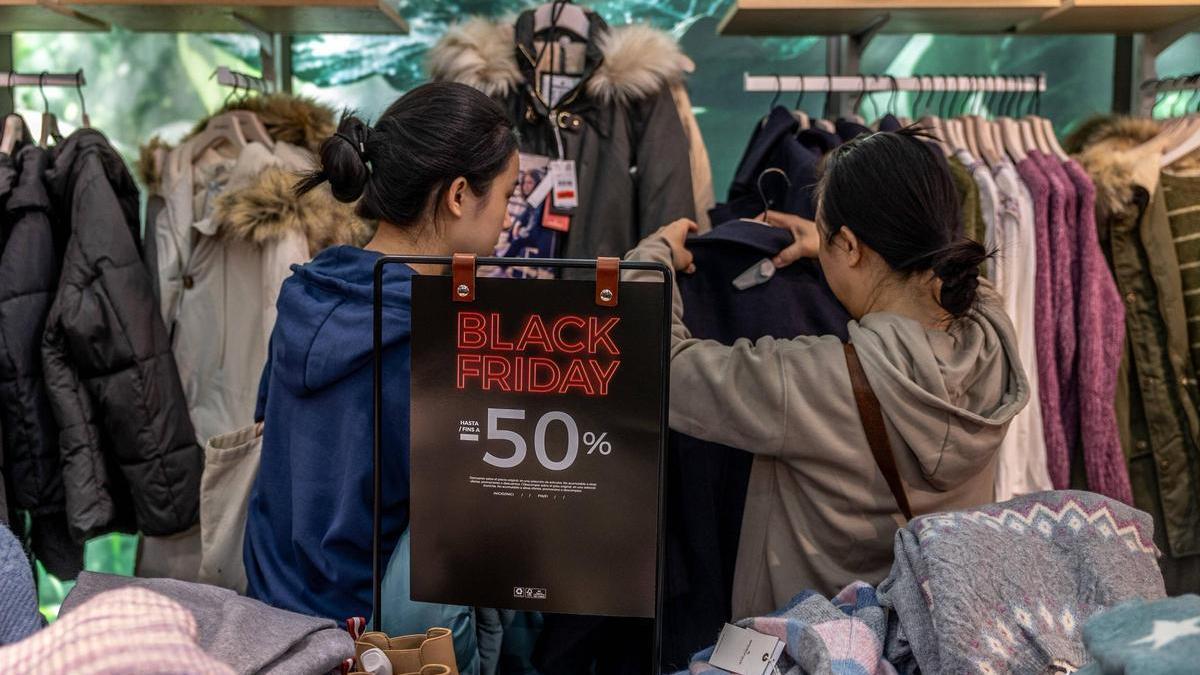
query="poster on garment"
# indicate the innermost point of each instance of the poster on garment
(537, 436)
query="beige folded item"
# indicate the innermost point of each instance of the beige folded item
(414, 653)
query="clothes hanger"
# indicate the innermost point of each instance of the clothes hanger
(49, 121)
(824, 124)
(223, 128)
(953, 125)
(933, 122)
(854, 116)
(1189, 136)
(983, 128)
(14, 130)
(1013, 140)
(85, 121)
(966, 124)
(798, 110)
(762, 195)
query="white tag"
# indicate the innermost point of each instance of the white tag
(566, 195)
(555, 87)
(746, 652)
(540, 192)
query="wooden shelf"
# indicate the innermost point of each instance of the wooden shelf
(1115, 16)
(831, 17)
(32, 15)
(272, 16)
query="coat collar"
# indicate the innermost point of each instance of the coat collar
(625, 64)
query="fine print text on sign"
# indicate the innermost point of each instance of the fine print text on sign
(536, 441)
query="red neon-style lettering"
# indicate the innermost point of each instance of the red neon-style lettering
(576, 377)
(546, 384)
(534, 333)
(603, 376)
(496, 369)
(469, 365)
(598, 335)
(560, 342)
(499, 344)
(471, 333)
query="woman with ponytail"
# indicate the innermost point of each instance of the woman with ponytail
(435, 173)
(852, 440)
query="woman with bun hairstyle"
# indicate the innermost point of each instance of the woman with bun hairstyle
(436, 172)
(934, 344)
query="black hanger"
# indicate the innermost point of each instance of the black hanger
(778, 92)
(895, 94)
(763, 195)
(49, 121)
(87, 122)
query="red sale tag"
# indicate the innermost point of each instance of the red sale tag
(555, 221)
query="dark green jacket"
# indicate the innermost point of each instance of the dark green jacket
(1157, 393)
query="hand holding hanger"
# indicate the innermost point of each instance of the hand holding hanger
(807, 240)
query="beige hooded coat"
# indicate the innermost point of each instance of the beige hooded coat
(819, 514)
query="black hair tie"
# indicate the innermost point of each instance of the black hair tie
(360, 147)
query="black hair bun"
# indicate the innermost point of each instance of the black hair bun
(957, 265)
(344, 161)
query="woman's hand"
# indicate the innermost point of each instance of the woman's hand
(676, 235)
(808, 241)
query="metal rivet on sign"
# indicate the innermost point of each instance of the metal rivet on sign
(606, 295)
(463, 290)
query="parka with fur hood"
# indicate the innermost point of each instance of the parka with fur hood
(1157, 394)
(620, 125)
(228, 235)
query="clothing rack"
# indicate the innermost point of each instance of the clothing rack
(232, 78)
(75, 79)
(856, 84)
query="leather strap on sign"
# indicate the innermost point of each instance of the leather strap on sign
(608, 278)
(463, 275)
(877, 438)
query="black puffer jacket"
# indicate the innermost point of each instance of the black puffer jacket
(29, 268)
(128, 447)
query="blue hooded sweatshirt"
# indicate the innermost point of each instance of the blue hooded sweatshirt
(308, 530)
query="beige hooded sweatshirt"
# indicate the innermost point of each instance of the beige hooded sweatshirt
(819, 514)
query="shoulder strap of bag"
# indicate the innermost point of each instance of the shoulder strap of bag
(877, 438)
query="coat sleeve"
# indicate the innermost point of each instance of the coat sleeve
(89, 504)
(747, 395)
(664, 170)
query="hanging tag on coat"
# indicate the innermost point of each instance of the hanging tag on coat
(558, 222)
(746, 652)
(566, 187)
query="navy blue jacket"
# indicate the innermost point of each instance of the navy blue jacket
(706, 482)
(308, 532)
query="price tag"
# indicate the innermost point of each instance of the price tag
(559, 222)
(542, 190)
(746, 652)
(566, 190)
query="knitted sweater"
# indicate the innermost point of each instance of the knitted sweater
(842, 636)
(19, 617)
(1009, 586)
(1145, 638)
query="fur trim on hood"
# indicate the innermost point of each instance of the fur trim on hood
(151, 157)
(269, 209)
(297, 120)
(1111, 149)
(638, 61)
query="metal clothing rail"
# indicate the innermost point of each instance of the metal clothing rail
(75, 79)
(232, 78)
(857, 84)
